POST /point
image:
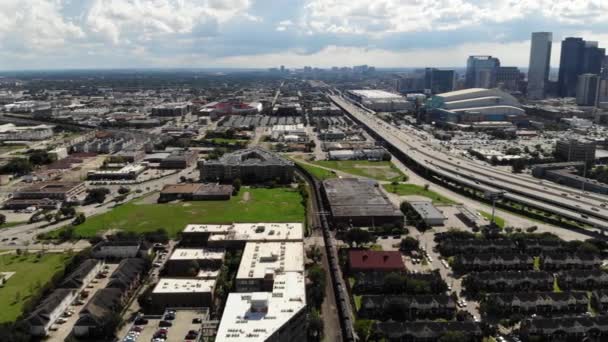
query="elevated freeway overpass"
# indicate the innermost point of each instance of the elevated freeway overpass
(579, 206)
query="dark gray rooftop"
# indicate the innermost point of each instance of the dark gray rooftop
(358, 197)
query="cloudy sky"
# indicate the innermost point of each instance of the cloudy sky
(43, 34)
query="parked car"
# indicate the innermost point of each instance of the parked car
(165, 324)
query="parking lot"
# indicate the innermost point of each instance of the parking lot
(64, 329)
(182, 322)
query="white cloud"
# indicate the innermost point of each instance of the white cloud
(390, 16)
(35, 25)
(124, 21)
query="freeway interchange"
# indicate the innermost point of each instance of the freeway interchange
(587, 208)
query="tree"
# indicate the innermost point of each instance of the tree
(80, 219)
(358, 236)
(40, 157)
(518, 165)
(96, 195)
(123, 190)
(18, 166)
(363, 327)
(2, 219)
(236, 184)
(394, 283)
(409, 244)
(315, 326)
(453, 336)
(68, 211)
(314, 254)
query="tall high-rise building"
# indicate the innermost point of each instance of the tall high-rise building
(540, 60)
(570, 66)
(587, 90)
(481, 72)
(439, 81)
(593, 58)
(578, 57)
(508, 78)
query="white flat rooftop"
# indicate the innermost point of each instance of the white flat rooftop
(250, 231)
(198, 254)
(184, 285)
(261, 258)
(255, 316)
(376, 94)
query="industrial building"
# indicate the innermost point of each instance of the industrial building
(182, 292)
(184, 261)
(263, 261)
(275, 316)
(238, 234)
(470, 106)
(249, 165)
(360, 202)
(575, 150)
(11, 132)
(380, 100)
(428, 213)
(196, 192)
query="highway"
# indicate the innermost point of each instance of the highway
(550, 197)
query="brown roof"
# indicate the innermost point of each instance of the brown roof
(187, 188)
(375, 260)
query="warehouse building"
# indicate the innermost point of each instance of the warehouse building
(360, 203)
(182, 292)
(263, 261)
(46, 194)
(428, 213)
(380, 100)
(249, 165)
(195, 192)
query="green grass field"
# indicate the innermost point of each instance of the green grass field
(250, 205)
(317, 172)
(500, 222)
(378, 170)
(30, 275)
(412, 189)
(10, 224)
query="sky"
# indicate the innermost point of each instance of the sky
(66, 34)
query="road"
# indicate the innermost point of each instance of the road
(549, 197)
(24, 236)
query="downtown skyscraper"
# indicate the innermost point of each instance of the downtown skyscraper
(540, 60)
(577, 57)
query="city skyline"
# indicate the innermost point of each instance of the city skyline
(62, 34)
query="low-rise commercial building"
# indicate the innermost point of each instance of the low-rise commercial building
(118, 249)
(46, 194)
(238, 234)
(375, 261)
(189, 261)
(263, 261)
(428, 213)
(128, 172)
(182, 292)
